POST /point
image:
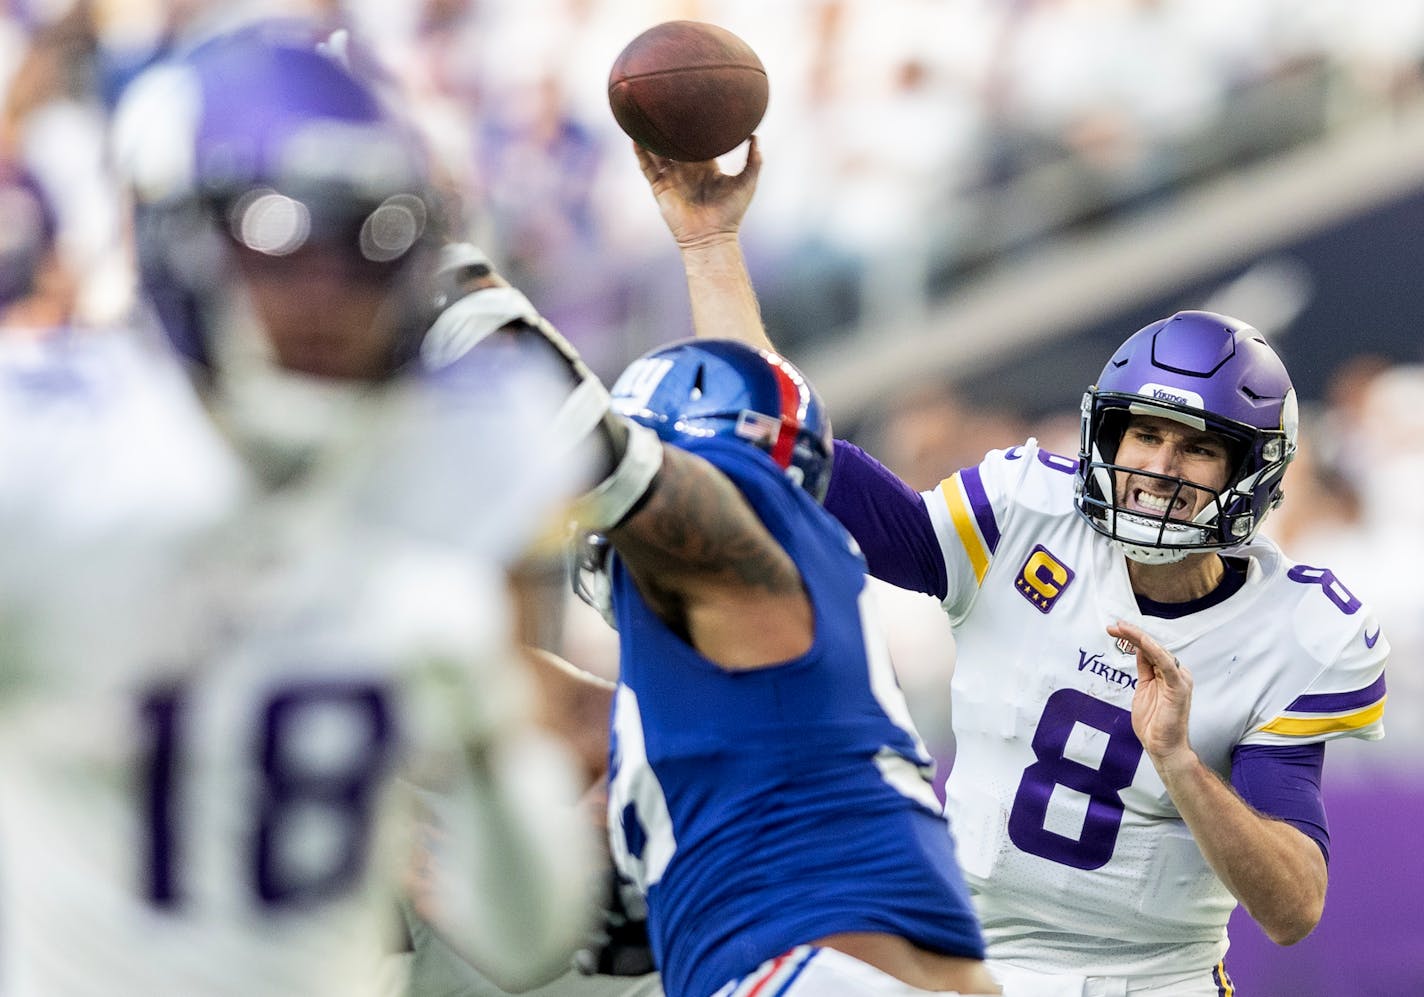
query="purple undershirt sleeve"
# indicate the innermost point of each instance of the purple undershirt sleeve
(1284, 782)
(888, 519)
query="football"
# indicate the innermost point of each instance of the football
(688, 90)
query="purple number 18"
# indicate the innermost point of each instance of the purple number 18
(292, 789)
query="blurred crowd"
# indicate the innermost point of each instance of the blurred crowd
(907, 142)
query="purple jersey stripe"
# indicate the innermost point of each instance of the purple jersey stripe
(983, 511)
(1339, 702)
(1219, 976)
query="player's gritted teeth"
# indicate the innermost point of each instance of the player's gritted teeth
(1178, 506)
(1157, 503)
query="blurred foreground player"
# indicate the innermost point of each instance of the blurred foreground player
(481, 311)
(1107, 828)
(768, 792)
(230, 619)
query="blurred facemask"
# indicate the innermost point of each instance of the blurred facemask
(280, 420)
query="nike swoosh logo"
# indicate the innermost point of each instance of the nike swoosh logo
(1372, 638)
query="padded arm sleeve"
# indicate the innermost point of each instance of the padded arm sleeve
(889, 521)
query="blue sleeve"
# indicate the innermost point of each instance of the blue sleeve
(888, 520)
(1284, 782)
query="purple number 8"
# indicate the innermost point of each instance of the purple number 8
(1329, 584)
(1103, 785)
(291, 787)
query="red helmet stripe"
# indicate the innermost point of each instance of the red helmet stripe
(790, 390)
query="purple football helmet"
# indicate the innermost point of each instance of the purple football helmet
(271, 139)
(701, 388)
(1211, 373)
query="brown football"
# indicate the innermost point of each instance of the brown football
(688, 90)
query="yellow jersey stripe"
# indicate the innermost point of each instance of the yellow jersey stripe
(1304, 727)
(963, 518)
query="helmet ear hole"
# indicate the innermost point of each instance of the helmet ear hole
(1238, 452)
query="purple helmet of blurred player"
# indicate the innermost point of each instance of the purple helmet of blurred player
(257, 148)
(285, 225)
(1211, 373)
(701, 388)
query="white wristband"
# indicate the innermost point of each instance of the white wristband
(609, 504)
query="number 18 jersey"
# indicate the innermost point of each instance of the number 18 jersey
(1077, 857)
(206, 694)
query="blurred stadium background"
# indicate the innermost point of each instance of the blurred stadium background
(966, 204)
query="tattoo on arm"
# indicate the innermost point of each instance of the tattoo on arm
(696, 529)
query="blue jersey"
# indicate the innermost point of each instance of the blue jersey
(767, 808)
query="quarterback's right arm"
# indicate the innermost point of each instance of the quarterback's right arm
(703, 209)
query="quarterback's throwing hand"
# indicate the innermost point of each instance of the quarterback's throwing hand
(700, 203)
(1161, 706)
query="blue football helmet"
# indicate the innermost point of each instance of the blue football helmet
(1209, 372)
(270, 139)
(701, 388)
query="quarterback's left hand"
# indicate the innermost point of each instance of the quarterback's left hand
(1162, 704)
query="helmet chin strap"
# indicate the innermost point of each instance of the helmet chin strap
(1150, 555)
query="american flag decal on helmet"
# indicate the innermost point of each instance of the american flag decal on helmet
(758, 428)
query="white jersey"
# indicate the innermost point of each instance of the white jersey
(1078, 859)
(206, 695)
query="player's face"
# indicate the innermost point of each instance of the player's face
(323, 314)
(1165, 447)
